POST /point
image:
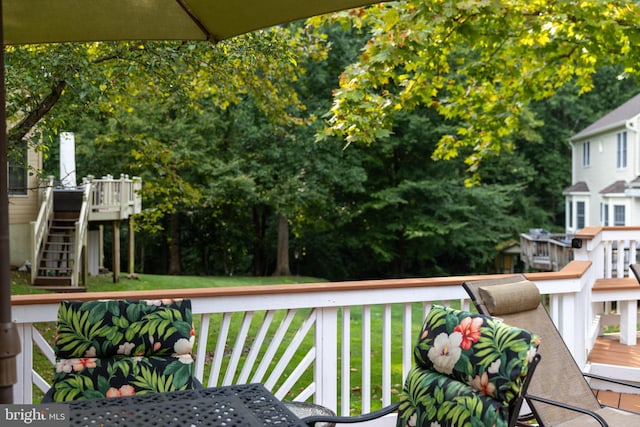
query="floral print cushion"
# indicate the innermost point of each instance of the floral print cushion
(122, 347)
(123, 327)
(471, 367)
(431, 399)
(489, 355)
(90, 377)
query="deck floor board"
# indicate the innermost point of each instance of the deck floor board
(608, 350)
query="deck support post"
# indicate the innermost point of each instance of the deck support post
(116, 251)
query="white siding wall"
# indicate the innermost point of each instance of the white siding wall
(23, 210)
(602, 172)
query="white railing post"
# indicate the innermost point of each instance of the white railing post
(568, 319)
(125, 185)
(326, 370)
(22, 390)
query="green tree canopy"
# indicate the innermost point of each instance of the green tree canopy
(478, 62)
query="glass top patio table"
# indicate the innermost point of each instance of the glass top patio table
(237, 405)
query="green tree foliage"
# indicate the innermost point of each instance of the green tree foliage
(416, 216)
(478, 62)
(223, 135)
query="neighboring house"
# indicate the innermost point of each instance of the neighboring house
(25, 196)
(57, 232)
(605, 173)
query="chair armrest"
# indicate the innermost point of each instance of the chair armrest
(592, 414)
(311, 421)
(612, 380)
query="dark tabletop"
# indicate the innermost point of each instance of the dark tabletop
(238, 405)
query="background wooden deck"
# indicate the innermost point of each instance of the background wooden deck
(608, 350)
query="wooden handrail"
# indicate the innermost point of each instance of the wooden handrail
(575, 269)
(591, 232)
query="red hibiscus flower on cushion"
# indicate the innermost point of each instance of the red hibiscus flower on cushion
(469, 327)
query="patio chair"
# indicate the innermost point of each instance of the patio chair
(122, 347)
(559, 394)
(469, 370)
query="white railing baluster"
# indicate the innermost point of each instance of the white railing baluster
(295, 375)
(386, 355)
(621, 244)
(273, 346)
(608, 260)
(43, 345)
(255, 347)
(305, 394)
(201, 355)
(426, 307)
(366, 358)
(218, 354)
(241, 338)
(633, 250)
(407, 339)
(345, 395)
(290, 351)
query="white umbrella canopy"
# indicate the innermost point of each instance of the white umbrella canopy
(56, 21)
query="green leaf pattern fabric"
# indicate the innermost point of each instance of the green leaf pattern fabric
(469, 370)
(122, 347)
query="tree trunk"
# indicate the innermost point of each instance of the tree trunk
(259, 264)
(282, 261)
(174, 245)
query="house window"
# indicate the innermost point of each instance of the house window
(17, 169)
(586, 154)
(621, 153)
(618, 215)
(570, 213)
(605, 214)
(580, 215)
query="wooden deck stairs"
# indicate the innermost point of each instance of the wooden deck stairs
(56, 259)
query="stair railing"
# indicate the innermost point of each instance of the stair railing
(40, 227)
(81, 233)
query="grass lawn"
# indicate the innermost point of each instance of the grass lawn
(20, 282)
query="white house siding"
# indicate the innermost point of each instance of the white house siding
(23, 210)
(602, 171)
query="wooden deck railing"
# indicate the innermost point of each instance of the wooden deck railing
(114, 198)
(40, 227)
(296, 339)
(545, 251)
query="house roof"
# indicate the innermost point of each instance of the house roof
(615, 118)
(578, 187)
(616, 187)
